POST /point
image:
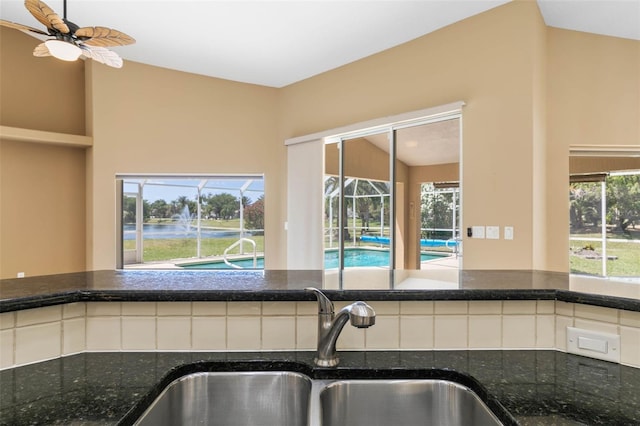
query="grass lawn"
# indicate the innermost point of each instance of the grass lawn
(628, 254)
(626, 264)
(158, 250)
(633, 233)
(185, 248)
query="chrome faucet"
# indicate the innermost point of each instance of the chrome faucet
(330, 325)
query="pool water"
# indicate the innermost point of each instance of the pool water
(352, 257)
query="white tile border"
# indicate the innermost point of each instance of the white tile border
(256, 326)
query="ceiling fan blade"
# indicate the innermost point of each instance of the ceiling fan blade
(21, 27)
(41, 50)
(102, 55)
(103, 36)
(46, 16)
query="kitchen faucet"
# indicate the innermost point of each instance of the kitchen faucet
(330, 325)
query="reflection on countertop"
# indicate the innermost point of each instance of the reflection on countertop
(535, 387)
(616, 287)
(289, 285)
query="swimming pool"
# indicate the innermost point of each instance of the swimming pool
(352, 257)
(450, 243)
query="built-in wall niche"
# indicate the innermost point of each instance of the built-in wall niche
(49, 167)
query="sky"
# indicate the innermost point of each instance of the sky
(171, 189)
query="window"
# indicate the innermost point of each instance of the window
(202, 222)
(440, 216)
(604, 222)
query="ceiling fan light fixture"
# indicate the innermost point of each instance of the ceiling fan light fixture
(63, 50)
(67, 41)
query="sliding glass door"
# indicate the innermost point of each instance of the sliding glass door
(374, 201)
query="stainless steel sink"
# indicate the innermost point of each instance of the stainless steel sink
(281, 398)
(402, 402)
(233, 398)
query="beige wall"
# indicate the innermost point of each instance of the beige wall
(42, 188)
(362, 159)
(543, 243)
(39, 93)
(42, 209)
(151, 120)
(485, 61)
(593, 98)
(530, 92)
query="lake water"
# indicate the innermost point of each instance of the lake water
(169, 231)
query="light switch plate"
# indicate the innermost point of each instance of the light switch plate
(478, 231)
(493, 232)
(593, 344)
(508, 232)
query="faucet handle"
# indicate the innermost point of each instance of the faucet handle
(325, 306)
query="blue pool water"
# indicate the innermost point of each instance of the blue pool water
(423, 242)
(352, 257)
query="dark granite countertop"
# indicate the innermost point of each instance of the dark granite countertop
(33, 292)
(525, 387)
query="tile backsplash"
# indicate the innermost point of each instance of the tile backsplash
(34, 335)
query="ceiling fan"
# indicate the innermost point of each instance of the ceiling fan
(66, 41)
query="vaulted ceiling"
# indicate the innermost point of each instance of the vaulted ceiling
(276, 43)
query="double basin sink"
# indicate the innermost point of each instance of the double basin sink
(284, 398)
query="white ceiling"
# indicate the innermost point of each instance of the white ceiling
(276, 43)
(426, 144)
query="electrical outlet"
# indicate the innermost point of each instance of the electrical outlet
(20, 274)
(593, 344)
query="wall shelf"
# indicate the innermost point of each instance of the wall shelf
(39, 136)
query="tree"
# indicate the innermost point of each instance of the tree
(224, 205)
(437, 211)
(246, 201)
(159, 208)
(184, 201)
(254, 214)
(363, 208)
(331, 183)
(146, 210)
(128, 209)
(205, 206)
(381, 203)
(623, 201)
(584, 204)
